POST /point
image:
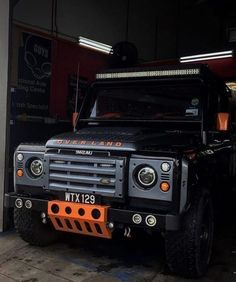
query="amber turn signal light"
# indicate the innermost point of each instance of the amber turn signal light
(20, 173)
(165, 186)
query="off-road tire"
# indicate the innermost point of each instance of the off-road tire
(185, 253)
(29, 225)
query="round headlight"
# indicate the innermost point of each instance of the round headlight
(36, 167)
(165, 167)
(146, 177)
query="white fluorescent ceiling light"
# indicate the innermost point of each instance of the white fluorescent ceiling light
(85, 42)
(206, 57)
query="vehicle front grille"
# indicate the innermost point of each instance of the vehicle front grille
(86, 174)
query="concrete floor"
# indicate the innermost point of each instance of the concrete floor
(91, 259)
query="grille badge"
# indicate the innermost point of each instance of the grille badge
(105, 181)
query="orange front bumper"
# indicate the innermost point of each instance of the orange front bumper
(79, 218)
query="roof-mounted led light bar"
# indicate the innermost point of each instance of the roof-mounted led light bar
(154, 73)
(208, 56)
(95, 45)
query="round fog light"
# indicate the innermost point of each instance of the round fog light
(18, 203)
(151, 220)
(28, 204)
(111, 225)
(137, 218)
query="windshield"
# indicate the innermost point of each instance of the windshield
(147, 103)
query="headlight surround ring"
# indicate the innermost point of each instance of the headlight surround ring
(35, 167)
(145, 176)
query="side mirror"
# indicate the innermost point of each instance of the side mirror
(222, 121)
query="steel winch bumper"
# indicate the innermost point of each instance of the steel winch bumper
(92, 220)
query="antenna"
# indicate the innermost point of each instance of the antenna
(76, 114)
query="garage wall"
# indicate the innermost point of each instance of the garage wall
(34, 12)
(4, 53)
(102, 20)
(105, 21)
(160, 29)
(199, 29)
(142, 27)
(66, 57)
(98, 20)
(167, 29)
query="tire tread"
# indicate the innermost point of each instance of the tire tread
(30, 228)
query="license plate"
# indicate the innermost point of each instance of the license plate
(81, 198)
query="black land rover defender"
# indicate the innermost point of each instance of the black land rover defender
(151, 150)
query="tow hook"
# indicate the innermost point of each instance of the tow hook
(127, 232)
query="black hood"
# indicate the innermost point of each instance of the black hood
(124, 139)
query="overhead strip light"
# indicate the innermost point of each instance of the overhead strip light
(95, 45)
(207, 56)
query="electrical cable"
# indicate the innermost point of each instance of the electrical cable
(127, 21)
(52, 17)
(55, 17)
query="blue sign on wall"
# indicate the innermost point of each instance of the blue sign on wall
(34, 75)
